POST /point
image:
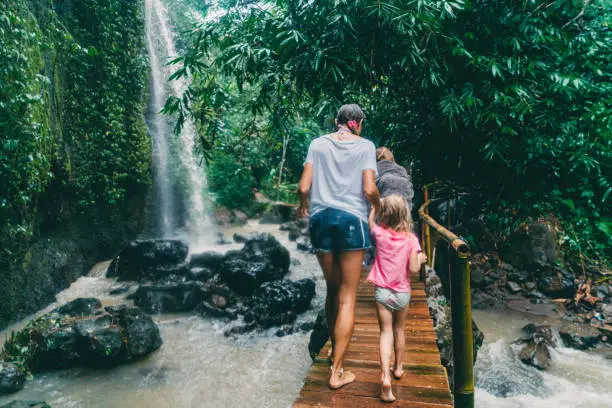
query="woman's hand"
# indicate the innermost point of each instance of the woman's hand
(303, 212)
(422, 258)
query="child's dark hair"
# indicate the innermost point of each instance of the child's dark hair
(394, 214)
(350, 112)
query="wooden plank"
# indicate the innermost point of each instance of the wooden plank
(424, 385)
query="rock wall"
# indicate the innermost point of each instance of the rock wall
(74, 152)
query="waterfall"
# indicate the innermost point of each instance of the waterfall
(180, 180)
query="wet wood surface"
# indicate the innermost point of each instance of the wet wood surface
(424, 384)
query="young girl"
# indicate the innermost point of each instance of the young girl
(398, 254)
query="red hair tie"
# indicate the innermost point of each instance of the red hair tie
(351, 124)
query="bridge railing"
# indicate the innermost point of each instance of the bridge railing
(461, 303)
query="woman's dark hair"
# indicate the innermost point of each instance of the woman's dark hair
(349, 112)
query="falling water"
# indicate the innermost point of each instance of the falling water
(180, 180)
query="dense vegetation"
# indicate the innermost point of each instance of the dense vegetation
(73, 142)
(511, 101)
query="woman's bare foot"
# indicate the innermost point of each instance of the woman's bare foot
(386, 392)
(340, 378)
(398, 372)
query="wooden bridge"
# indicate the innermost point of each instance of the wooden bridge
(424, 384)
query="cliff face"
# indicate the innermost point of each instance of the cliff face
(74, 151)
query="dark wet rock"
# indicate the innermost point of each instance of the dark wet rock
(531, 245)
(278, 213)
(120, 290)
(171, 279)
(279, 302)
(534, 345)
(484, 301)
(208, 259)
(262, 259)
(141, 333)
(57, 348)
(304, 244)
(12, 379)
(601, 291)
(513, 274)
(514, 287)
(169, 273)
(579, 336)
(556, 282)
(242, 238)
(319, 335)
(102, 347)
(26, 404)
(477, 278)
(529, 286)
(117, 335)
(201, 274)
(149, 259)
(534, 294)
(80, 307)
(169, 298)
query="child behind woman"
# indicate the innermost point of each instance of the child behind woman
(398, 254)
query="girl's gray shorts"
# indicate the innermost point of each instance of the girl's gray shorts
(390, 299)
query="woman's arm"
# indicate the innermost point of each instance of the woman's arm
(304, 190)
(370, 190)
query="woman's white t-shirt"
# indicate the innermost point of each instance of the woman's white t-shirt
(338, 167)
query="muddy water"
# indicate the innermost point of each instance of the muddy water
(576, 379)
(197, 366)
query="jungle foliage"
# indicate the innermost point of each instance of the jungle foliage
(509, 100)
(73, 140)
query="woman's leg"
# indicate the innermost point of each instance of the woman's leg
(331, 272)
(399, 320)
(385, 322)
(350, 269)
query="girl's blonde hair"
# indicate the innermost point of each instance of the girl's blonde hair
(394, 214)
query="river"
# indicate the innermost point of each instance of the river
(199, 367)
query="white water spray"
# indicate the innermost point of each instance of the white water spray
(174, 158)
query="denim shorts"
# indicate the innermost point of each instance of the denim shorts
(391, 299)
(333, 230)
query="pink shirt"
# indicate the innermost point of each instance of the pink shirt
(393, 250)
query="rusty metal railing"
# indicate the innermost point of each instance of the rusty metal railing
(461, 304)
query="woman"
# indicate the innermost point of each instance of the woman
(336, 188)
(392, 178)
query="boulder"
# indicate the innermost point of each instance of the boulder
(208, 259)
(141, 333)
(57, 348)
(149, 259)
(80, 307)
(279, 302)
(201, 274)
(243, 238)
(12, 379)
(531, 245)
(514, 287)
(26, 404)
(278, 213)
(102, 347)
(319, 335)
(556, 282)
(579, 336)
(171, 298)
(534, 343)
(262, 259)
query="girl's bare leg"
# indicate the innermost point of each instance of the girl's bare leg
(331, 272)
(399, 320)
(385, 322)
(350, 269)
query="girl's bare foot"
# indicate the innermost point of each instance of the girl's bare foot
(386, 392)
(340, 378)
(398, 372)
